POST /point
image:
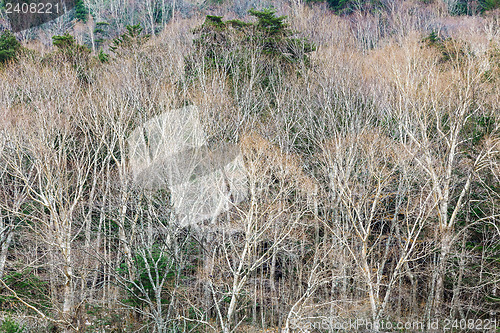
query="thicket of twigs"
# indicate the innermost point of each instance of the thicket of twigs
(371, 146)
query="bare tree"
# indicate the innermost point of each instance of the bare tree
(435, 123)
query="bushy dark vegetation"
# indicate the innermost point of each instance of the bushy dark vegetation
(10, 326)
(70, 50)
(81, 12)
(9, 47)
(133, 38)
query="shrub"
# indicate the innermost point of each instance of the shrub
(101, 33)
(10, 326)
(147, 276)
(338, 5)
(70, 49)
(490, 4)
(130, 39)
(27, 286)
(9, 47)
(451, 50)
(103, 57)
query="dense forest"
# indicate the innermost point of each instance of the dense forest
(251, 166)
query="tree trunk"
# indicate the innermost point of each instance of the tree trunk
(440, 271)
(3, 254)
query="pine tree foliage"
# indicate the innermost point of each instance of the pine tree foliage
(132, 38)
(70, 49)
(9, 47)
(233, 45)
(81, 12)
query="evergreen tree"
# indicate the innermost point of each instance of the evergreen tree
(101, 33)
(270, 36)
(338, 5)
(489, 4)
(81, 12)
(63, 42)
(75, 54)
(9, 46)
(133, 37)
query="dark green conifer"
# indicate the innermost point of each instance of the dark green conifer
(81, 12)
(9, 47)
